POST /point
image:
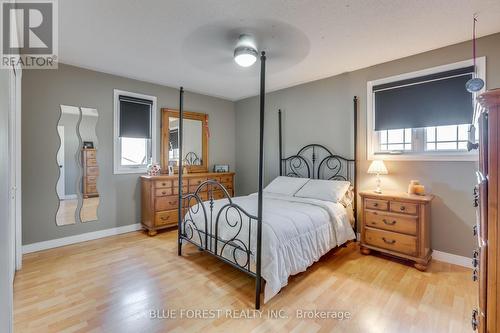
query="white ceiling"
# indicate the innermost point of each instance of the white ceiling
(190, 42)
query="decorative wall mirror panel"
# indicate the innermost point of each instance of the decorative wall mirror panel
(195, 141)
(90, 169)
(69, 171)
(77, 164)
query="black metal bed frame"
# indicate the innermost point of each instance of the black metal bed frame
(236, 250)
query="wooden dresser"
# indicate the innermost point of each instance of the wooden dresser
(486, 317)
(159, 196)
(90, 173)
(397, 224)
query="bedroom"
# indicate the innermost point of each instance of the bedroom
(91, 242)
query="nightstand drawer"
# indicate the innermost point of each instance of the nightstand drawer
(376, 204)
(404, 207)
(391, 222)
(391, 241)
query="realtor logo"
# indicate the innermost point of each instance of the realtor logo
(29, 34)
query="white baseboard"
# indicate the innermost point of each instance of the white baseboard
(50, 244)
(452, 258)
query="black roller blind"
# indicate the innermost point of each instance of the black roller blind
(135, 117)
(433, 100)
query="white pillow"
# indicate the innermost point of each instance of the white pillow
(286, 185)
(328, 190)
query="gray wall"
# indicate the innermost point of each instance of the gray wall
(43, 92)
(5, 225)
(321, 112)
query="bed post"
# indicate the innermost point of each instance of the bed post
(261, 180)
(179, 211)
(355, 101)
(280, 143)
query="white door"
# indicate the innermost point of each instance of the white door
(60, 162)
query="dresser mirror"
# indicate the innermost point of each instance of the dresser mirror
(90, 169)
(67, 164)
(195, 141)
(77, 165)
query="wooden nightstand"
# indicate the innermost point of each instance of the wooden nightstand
(398, 224)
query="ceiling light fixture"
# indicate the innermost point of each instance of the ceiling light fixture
(245, 53)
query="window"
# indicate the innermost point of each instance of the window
(425, 115)
(397, 139)
(451, 138)
(134, 131)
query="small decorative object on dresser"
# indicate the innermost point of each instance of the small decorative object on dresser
(160, 196)
(154, 169)
(378, 168)
(221, 168)
(397, 224)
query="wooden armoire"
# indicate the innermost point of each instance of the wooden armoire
(486, 317)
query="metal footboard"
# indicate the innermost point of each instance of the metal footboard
(227, 231)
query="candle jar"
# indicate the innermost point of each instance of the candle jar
(411, 187)
(419, 189)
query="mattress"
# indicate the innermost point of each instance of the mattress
(296, 232)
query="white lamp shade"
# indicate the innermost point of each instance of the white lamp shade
(378, 167)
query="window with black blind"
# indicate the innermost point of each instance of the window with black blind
(135, 120)
(135, 117)
(422, 114)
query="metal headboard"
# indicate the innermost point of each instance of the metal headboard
(192, 159)
(318, 162)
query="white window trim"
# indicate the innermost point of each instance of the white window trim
(117, 167)
(427, 156)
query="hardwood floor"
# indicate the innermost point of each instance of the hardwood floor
(112, 284)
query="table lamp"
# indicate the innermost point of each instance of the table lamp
(378, 168)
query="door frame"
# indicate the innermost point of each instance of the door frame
(15, 164)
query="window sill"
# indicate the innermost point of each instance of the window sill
(442, 156)
(130, 171)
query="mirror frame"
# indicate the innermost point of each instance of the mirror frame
(165, 139)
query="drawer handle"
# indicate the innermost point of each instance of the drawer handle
(392, 241)
(163, 218)
(163, 192)
(389, 223)
(402, 208)
(375, 204)
(474, 321)
(475, 258)
(475, 275)
(164, 184)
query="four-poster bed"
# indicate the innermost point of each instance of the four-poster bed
(234, 231)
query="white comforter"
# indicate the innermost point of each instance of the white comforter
(296, 232)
